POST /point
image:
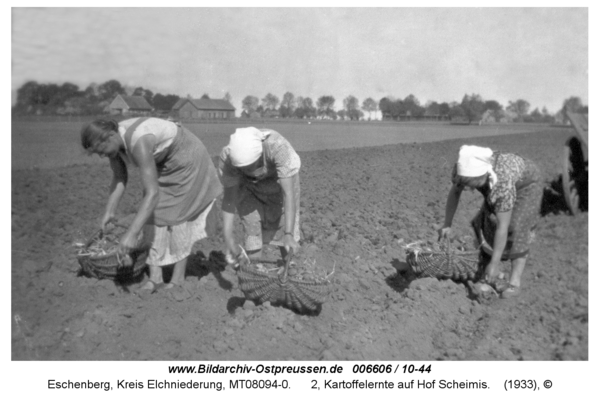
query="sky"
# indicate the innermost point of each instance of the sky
(436, 54)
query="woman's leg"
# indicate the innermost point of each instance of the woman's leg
(156, 278)
(514, 287)
(524, 220)
(156, 274)
(518, 265)
(178, 277)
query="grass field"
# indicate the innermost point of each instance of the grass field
(56, 144)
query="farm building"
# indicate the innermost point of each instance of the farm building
(129, 105)
(204, 108)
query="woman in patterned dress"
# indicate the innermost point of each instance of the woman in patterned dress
(259, 170)
(509, 214)
(180, 187)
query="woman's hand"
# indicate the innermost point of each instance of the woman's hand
(233, 258)
(290, 242)
(108, 218)
(444, 233)
(128, 243)
(491, 273)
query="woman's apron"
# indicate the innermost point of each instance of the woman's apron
(187, 179)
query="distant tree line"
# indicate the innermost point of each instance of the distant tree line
(68, 98)
(472, 108)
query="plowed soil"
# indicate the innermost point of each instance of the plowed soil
(359, 207)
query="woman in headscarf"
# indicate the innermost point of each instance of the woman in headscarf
(259, 170)
(505, 224)
(180, 187)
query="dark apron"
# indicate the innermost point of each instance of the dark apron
(187, 179)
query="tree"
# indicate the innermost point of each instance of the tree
(205, 96)
(270, 101)
(288, 101)
(457, 112)
(33, 97)
(392, 108)
(534, 116)
(147, 94)
(397, 109)
(109, 90)
(385, 108)
(325, 106)
(305, 108)
(164, 102)
(350, 103)
(432, 108)
(309, 107)
(138, 91)
(472, 106)
(91, 92)
(351, 107)
(369, 105)
(288, 105)
(520, 107)
(26, 95)
(299, 111)
(250, 104)
(412, 106)
(445, 109)
(492, 105)
(227, 97)
(573, 104)
(77, 105)
(495, 108)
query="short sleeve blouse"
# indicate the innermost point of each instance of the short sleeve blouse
(278, 152)
(510, 169)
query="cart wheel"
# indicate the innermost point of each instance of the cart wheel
(574, 176)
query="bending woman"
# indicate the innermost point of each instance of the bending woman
(509, 214)
(180, 187)
(260, 172)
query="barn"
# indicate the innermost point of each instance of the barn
(129, 105)
(204, 108)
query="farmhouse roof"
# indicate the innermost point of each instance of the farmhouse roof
(179, 103)
(136, 102)
(207, 104)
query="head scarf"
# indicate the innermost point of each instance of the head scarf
(245, 146)
(474, 161)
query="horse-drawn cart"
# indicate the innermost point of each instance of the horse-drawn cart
(575, 165)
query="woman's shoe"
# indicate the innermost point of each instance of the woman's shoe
(500, 285)
(510, 292)
(149, 288)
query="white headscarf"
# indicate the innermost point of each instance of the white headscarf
(245, 146)
(474, 161)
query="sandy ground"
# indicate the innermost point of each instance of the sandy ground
(358, 207)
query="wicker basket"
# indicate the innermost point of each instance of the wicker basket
(448, 264)
(112, 266)
(302, 293)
